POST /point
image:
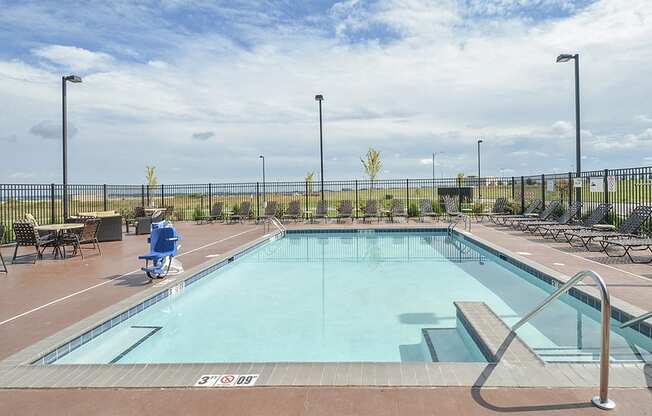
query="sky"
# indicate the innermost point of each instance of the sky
(200, 89)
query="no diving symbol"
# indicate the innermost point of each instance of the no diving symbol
(227, 379)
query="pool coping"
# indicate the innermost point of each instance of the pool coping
(17, 371)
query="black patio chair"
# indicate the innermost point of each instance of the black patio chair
(27, 236)
(370, 210)
(499, 208)
(398, 210)
(217, 212)
(563, 219)
(345, 210)
(2, 259)
(270, 210)
(322, 210)
(628, 245)
(244, 212)
(627, 229)
(544, 215)
(294, 211)
(529, 211)
(595, 217)
(425, 210)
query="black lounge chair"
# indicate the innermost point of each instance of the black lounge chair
(217, 213)
(500, 205)
(345, 210)
(27, 236)
(563, 219)
(627, 245)
(243, 213)
(2, 259)
(425, 209)
(371, 210)
(398, 210)
(83, 236)
(544, 215)
(451, 209)
(529, 211)
(294, 211)
(596, 216)
(321, 211)
(627, 229)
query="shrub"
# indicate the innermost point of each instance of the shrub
(413, 210)
(197, 213)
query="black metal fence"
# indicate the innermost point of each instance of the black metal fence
(624, 188)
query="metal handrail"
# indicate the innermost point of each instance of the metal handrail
(279, 226)
(636, 320)
(602, 401)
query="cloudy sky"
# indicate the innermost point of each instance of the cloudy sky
(201, 88)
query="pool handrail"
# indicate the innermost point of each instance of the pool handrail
(275, 221)
(602, 401)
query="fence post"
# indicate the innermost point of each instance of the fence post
(571, 188)
(104, 196)
(513, 188)
(522, 195)
(52, 209)
(407, 197)
(306, 209)
(257, 201)
(357, 204)
(148, 201)
(459, 194)
(543, 189)
(606, 186)
(162, 196)
(142, 195)
(210, 197)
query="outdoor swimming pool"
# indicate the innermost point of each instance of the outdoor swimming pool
(373, 296)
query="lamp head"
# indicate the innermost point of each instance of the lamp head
(564, 57)
(261, 157)
(73, 78)
(480, 141)
(319, 97)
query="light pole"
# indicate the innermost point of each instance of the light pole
(578, 150)
(479, 186)
(64, 79)
(264, 193)
(433, 166)
(320, 98)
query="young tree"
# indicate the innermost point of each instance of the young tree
(373, 164)
(310, 178)
(150, 176)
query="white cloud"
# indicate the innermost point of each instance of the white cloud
(643, 118)
(73, 58)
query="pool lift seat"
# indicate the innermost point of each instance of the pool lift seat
(163, 248)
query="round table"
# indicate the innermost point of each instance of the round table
(58, 230)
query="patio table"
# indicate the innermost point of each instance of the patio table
(58, 230)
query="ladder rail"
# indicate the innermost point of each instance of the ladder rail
(274, 221)
(602, 401)
(636, 320)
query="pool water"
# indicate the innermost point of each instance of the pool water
(352, 296)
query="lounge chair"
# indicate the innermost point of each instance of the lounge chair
(398, 210)
(627, 229)
(596, 216)
(82, 236)
(500, 205)
(217, 212)
(294, 211)
(345, 210)
(271, 208)
(425, 210)
(452, 209)
(565, 218)
(243, 213)
(627, 245)
(27, 236)
(2, 259)
(529, 211)
(322, 210)
(544, 215)
(370, 210)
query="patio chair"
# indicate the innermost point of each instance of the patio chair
(627, 229)
(322, 210)
(83, 236)
(144, 224)
(294, 211)
(398, 210)
(627, 245)
(271, 208)
(544, 215)
(500, 205)
(565, 218)
(345, 210)
(27, 236)
(425, 210)
(217, 212)
(2, 259)
(596, 216)
(452, 210)
(371, 210)
(244, 212)
(529, 211)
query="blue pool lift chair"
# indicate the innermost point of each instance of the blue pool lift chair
(163, 247)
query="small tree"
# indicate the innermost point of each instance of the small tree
(373, 164)
(150, 176)
(310, 178)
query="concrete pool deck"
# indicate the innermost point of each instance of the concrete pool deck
(81, 288)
